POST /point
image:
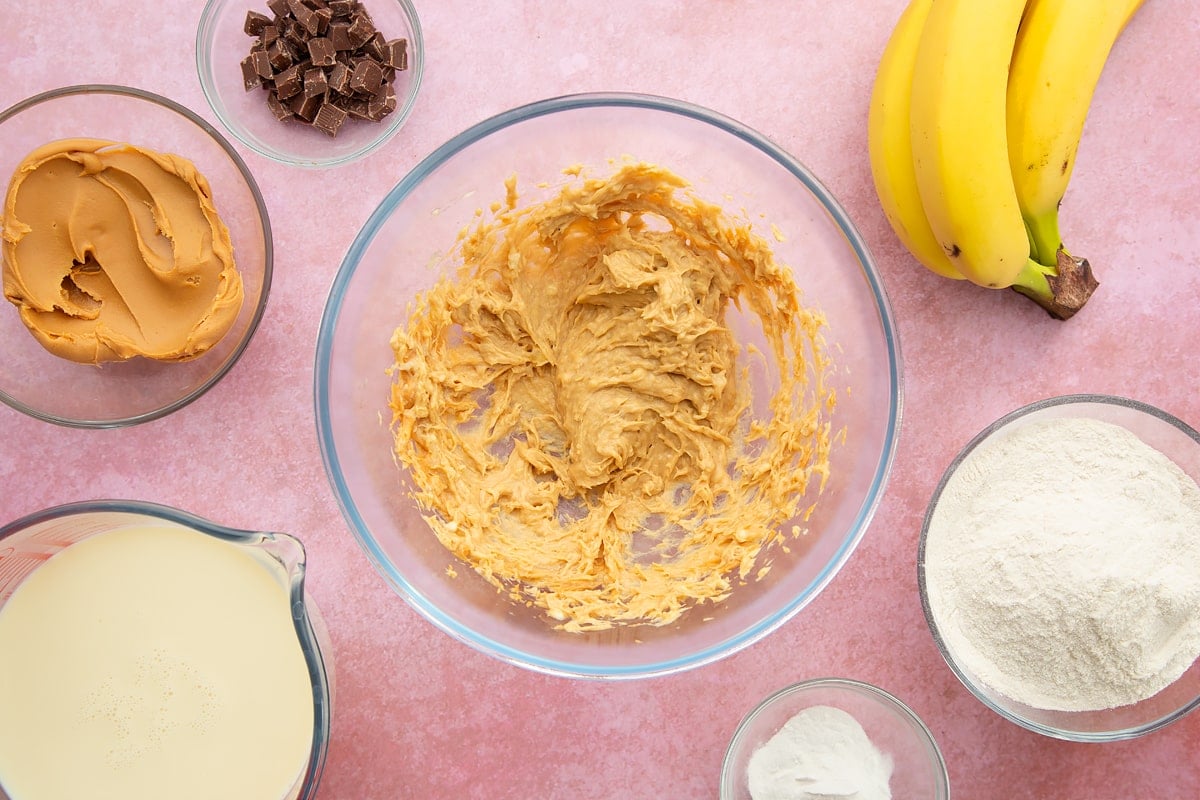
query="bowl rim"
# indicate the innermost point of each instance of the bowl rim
(204, 72)
(861, 688)
(1083, 398)
(268, 252)
(331, 314)
(305, 618)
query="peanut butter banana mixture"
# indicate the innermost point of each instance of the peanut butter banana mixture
(577, 415)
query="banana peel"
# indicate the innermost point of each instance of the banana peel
(1060, 290)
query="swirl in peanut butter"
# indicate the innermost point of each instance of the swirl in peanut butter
(113, 251)
(577, 415)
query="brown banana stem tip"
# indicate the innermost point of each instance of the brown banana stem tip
(1069, 287)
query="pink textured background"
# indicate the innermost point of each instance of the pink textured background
(419, 715)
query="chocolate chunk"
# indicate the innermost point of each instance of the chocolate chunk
(382, 103)
(323, 16)
(269, 34)
(300, 52)
(359, 109)
(303, 15)
(395, 54)
(321, 51)
(361, 30)
(255, 22)
(288, 83)
(277, 107)
(278, 7)
(261, 61)
(367, 77)
(250, 76)
(309, 21)
(294, 32)
(341, 8)
(329, 119)
(305, 107)
(373, 47)
(339, 34)
(339, 79)
(280, 55)
(316, 84)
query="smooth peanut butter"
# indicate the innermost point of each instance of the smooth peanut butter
(577, 413)
(113, 251)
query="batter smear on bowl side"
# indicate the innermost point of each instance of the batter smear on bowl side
(578, 416)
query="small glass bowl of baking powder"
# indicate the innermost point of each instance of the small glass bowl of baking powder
(1086, 640)
(837, 737)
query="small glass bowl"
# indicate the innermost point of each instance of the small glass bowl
(918, 769)
(1165, 433)
(26, 544)
(221, 44)
(117, 394)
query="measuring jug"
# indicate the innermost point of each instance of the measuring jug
(28, 543)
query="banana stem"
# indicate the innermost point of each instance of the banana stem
(1060, 290)
(1044, 238)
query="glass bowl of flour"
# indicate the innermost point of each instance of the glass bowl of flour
(832, 737)
(1059, 567)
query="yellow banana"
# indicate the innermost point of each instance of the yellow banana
(1060, 51)
(889, 142)
(959, 139)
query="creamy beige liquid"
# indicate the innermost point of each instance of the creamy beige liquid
(150, 663)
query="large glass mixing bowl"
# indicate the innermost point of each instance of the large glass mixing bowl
(401, 251)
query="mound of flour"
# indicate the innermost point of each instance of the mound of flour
(1062, 566)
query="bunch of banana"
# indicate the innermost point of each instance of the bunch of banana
(975, 118)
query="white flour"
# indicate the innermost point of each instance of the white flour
(822, 753)
(1063, 566)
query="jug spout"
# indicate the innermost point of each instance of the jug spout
(287, 549)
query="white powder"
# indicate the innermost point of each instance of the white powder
(822, 753)
(1063, 566)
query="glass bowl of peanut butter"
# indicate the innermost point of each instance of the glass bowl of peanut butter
(137, 256)
(608, 386)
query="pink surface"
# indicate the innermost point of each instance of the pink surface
(419, 715)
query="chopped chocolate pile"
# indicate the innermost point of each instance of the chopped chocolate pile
(322, 62)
